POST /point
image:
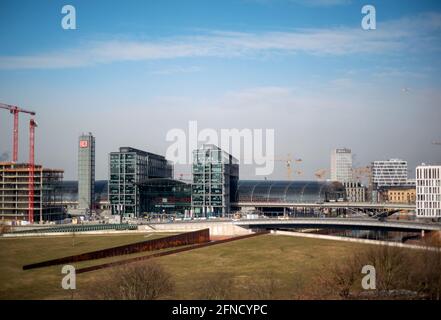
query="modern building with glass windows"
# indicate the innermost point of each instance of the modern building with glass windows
(86, 172)
(127, 169)
(341, 165)
(389, 173)
(166, 196)
(215, 178)
(428, 191)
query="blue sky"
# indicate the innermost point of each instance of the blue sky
(135, 69)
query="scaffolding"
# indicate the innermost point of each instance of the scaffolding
(14, 192)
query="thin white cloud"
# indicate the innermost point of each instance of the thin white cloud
(177, 70)
(419, 33)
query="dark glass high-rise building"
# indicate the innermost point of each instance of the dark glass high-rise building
(215, 178)
(86, 172)
(128, 168)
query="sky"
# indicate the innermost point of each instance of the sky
(132, 71)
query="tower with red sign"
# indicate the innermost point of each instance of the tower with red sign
(86, 172)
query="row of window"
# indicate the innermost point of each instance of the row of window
(428, 173)
(429, 204)
(429, 212)
(427, 190)
(428, 183)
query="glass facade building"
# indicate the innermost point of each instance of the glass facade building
(86, 172)
(166, 196)
(215, 178)
(127, 169)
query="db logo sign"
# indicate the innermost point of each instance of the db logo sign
(83, 144)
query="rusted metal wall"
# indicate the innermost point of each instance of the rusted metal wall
(188, 238)
(160, 254)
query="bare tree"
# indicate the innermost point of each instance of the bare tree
(391, 265)
(343, 279)
(137, 281)
(426, 275)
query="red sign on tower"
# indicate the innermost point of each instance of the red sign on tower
(83, 144)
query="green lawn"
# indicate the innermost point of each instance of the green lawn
(294, 261)
(45, 282)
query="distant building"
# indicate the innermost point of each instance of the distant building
(428, 191)
(341, 165)
(355, 191)
(129, 167)
(401, 195)
(86, 172)
(389, 173)
(14, 192)
(215, 178)
(69, 191)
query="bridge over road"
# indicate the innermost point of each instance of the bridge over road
(331, 205)
(239, 227)
(342, 223)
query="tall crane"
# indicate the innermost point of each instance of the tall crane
(288, 160)
(32, 126)
(15, 111)
(320, 174)
(362, 172)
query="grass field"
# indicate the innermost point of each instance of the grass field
(293, 261)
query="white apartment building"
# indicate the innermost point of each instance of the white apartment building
(341, 165)
(389, 173)
(428, 191)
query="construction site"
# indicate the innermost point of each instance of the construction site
(28, 191)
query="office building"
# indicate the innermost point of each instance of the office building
(14, 192)
(428, 191)
(128, 168)
(389, 173)
(86, 172)
(215, 178)
(341, 165)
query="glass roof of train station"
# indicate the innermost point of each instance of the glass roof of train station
(288, 191)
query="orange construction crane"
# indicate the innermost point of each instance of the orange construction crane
(288, 160)
(362, 172)
(15, 111)
(320, 174)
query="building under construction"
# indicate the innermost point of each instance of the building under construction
(15, 192)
